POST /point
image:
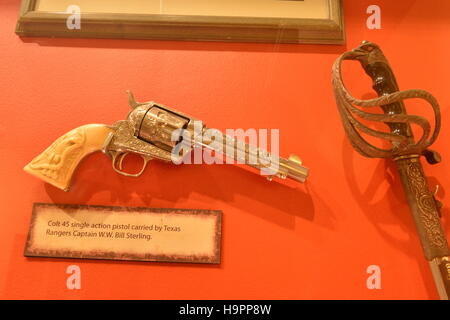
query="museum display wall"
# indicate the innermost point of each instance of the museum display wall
(325, 239)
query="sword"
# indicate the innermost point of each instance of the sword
(404, 149)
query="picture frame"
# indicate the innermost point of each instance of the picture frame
(327, 28)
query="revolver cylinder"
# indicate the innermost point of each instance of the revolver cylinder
(156, 125)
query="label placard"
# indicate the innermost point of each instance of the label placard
(124, 233)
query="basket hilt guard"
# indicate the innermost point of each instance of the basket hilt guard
(391, 100)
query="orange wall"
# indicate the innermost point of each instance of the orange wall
(279, 240)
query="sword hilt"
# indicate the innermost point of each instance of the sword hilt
(390, 100)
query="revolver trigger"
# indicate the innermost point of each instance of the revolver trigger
(115, 156)
(121, 157)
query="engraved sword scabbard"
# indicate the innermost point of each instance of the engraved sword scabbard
(404, 148)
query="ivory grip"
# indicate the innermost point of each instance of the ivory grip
(57, 164)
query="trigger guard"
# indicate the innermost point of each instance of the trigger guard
(122, 155)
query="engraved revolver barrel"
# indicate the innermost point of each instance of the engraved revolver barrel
(258, 158)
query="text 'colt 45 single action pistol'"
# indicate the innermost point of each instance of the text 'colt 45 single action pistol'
(152, 131)
(404, 149)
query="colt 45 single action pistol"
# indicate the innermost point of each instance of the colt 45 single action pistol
(152, 131)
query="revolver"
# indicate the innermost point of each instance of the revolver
(152, 131)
